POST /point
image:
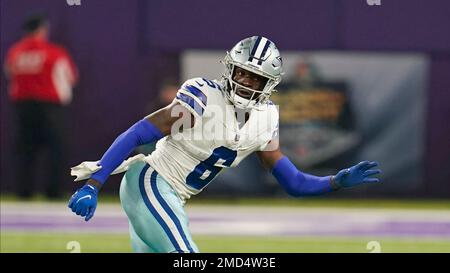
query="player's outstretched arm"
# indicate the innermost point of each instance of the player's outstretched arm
(150, 129)
(297, 183)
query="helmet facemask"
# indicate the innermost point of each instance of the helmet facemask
(258, 97)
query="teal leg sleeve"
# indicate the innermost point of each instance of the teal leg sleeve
(137, 244)
(156, 214)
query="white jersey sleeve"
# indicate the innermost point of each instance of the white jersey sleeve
(272, 130)
(193, 95)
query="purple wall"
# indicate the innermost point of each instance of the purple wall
(437, 158)
(124, 48)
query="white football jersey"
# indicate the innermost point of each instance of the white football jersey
(190, 159)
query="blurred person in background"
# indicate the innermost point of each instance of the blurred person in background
(307, 75)
(317, 121)
(41, 77)
(167, 92)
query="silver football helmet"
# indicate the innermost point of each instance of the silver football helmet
(258, 55)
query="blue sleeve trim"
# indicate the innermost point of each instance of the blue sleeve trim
(191, 102)
(198, 93)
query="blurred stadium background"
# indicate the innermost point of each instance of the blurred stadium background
(362, 82)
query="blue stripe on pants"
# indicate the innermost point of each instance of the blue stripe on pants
(169, 211)
(165, 206)
(153, 210)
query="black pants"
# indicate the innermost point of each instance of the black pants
(41, 128)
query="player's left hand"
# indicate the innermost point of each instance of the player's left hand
(84, 201)
(358, 174)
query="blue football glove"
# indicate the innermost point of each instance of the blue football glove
(358, 174)
(84, 201)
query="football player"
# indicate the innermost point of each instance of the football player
(210, 125)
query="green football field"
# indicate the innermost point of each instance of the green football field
(420, 212)
(39, 242)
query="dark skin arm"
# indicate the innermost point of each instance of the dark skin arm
(163, 119)
(269, 158)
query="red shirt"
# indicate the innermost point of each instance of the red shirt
(41, 71)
